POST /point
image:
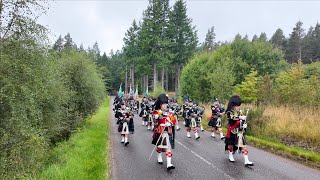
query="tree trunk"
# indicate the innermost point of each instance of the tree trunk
(167, 81)
(162, 78)
(142, 85)
(130, 78)
(147, 83)
(126, 81)
(155, 76)
(176, 79)
(177, 82)
(133, 78)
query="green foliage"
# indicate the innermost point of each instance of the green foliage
(294, 86)
(294, 50)
(248, 88)
(209, 43)
(85, 155)
(265, 94)
(258, 55)
(215, 74)
(278, 39)
(208, 74)
(43, 99)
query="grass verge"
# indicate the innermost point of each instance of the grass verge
(85, 155)
(298, 154)
(307, 157)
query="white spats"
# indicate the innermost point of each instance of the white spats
(142, 123)
(201, 128)
(188, 135)
(196, 135)
(222, 136)
(231, 159)
(213, 135)
(246, 161)
(122, 139)
(126, 142)
(221, 133)
(169, 164)
(160, 161)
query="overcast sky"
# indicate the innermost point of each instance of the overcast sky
(107, 21)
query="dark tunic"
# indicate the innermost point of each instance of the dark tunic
(232, 139)
(216, 113)
(122, 117)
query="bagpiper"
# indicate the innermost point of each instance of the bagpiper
(215, 119)
(144, 111)
(175, 110)
(235, 138)
(164, 132)
(190, 119)
(199, 113)
(150, 117)
(125, 121)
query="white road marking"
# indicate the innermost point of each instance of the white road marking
(206, 161)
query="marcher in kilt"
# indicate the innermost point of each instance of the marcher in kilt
(215, 119)
(164, 134)
(235, 138)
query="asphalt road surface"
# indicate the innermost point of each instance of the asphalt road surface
(195, 159)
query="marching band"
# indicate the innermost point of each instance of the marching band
(161, 116)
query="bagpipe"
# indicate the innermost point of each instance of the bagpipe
(217, 114)
(241, 128)
(124, 115)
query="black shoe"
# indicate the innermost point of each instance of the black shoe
(198, 137)
(222, 138)
(170, 167)
(252, 164)
(160, 162)
(178, 129)
(126, 143)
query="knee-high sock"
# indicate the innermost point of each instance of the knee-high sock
(169, 155)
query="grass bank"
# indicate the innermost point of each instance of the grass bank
(272, 127)
(85, 155)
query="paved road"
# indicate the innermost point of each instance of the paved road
(196, 159)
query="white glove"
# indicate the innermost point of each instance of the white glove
(244, 125)
(156, 116)
(168, 124)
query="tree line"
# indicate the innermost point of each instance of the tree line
(157, 48)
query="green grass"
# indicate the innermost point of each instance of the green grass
(85, 155)
(307, 157)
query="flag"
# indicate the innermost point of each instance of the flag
(120, 91)
(146, 93)
(131, 91)
(136, 93)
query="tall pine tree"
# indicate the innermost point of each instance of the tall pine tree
(209, 43)
(58, 45)
(69, 44)
(294, 50)
(184, 38)
(263, 37)
(278, 39)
